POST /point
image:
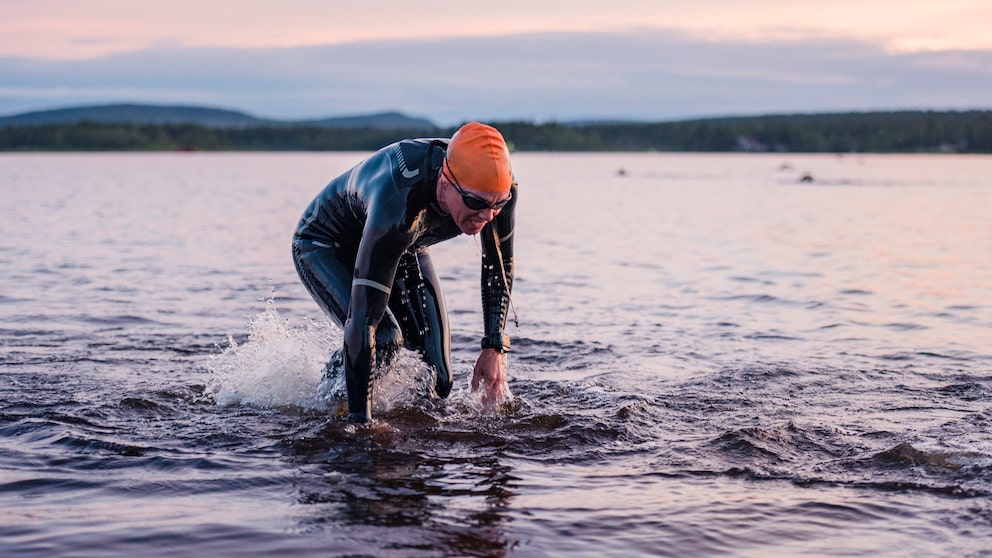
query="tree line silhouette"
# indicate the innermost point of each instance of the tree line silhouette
(865, 132)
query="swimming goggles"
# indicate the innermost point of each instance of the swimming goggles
(472, 201)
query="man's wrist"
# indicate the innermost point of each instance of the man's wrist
(498, 341)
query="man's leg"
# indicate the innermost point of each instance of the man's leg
(326, 272)
(418, 304)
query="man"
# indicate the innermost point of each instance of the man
(361, 249)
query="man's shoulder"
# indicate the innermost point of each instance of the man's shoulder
(411, 157)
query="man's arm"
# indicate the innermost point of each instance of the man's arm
(497, 283)
(497, 275)
(375, 268)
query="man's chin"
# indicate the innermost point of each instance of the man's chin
(471, 228)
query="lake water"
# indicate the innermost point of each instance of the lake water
(713, 358)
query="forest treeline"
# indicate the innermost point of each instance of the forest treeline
(869, 132)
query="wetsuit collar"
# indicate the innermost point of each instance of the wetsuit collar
(432, 200)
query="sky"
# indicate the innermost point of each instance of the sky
(508, 60)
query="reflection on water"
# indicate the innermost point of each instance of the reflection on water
(455, 498)
(713, 358)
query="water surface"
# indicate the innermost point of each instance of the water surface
(714, 358)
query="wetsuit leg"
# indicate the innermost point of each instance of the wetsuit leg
(326, 272)
(418, 303)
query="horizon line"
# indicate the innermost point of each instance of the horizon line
(531, 120)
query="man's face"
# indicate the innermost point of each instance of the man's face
(461, 204)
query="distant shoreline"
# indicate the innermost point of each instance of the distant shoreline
(869, 132)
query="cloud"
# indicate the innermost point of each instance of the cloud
(643, 74)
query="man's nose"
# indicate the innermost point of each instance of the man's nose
(488, 214)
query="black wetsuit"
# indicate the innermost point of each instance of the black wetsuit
(361, 249)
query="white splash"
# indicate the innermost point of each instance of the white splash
(281, 365)
(277, 366)
(407, 380)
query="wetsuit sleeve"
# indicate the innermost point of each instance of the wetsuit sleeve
(497, 275)
(383, 243)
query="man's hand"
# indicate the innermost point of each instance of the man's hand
(490, 375)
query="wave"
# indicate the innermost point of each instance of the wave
(276, 366)
(279, 365)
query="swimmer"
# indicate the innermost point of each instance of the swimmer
(361, 249)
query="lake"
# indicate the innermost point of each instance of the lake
(717, 355)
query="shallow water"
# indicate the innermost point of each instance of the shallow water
(713, 358)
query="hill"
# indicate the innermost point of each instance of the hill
(197, 128)
(202, 116)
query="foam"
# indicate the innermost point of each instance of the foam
(281, 365)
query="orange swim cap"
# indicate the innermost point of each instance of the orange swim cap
(477, 159)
